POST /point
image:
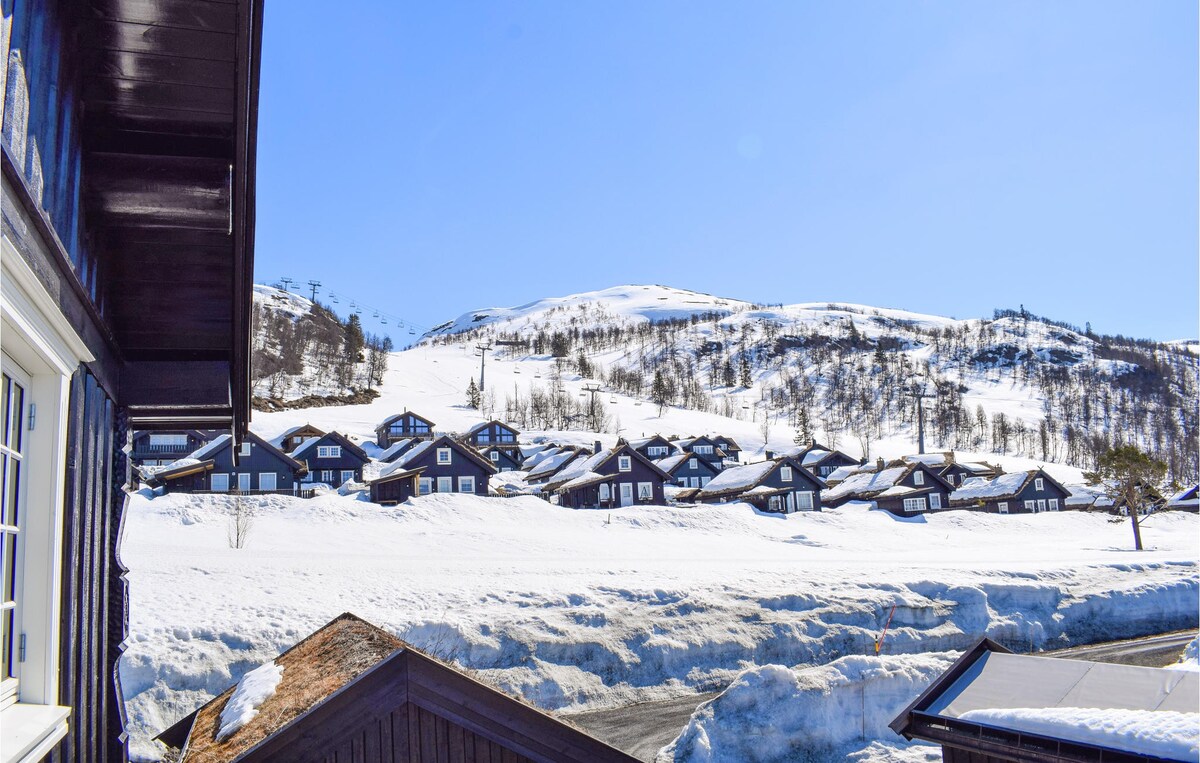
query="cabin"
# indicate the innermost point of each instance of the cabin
(1185, 500)
(904, 488)
(778, 485)
(450, 466)
(127, 159)
(394, 486)
(505, 459)
(686, 470)
(705, 448)
(993, 706)
(492, 433)
(545, 469)
(655, 447)
(955, 472)
(820, 460)
(403, 426)
(732, 450)
(251, 467)
(1028, 492)
(164, 447)
(354, 692)
(331, 459)
(295, 437)
(612, 477)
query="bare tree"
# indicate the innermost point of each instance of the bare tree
(241, 519)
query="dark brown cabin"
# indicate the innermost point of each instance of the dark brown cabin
(353, 692)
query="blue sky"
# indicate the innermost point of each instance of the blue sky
(943, 157)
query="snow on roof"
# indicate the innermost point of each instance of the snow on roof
(1163, 734)
(814, 456)
(975, 466)
(392, 449)
(1187, 497)
(399, 463)
(205, 451)
(738, 478)
(896, 490)
(929, 459)
(978, 488)
(148, 471)
(583, 480)
(841, 473)
(254, 688)
(670, 462)
(551, 463)
(866, 483)
(582, 466)
(305, 445)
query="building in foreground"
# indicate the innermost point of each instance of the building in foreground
(353, 692)
(992, 706)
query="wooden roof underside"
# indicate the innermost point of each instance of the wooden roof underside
(170, 103)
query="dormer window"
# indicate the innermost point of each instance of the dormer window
(918, 477)
(785, 473)
(329, 451)
(624, 464)
(693, 464)
(494, 455)
(1039, 484)
(703, 450)
(443, 455)
(245, 449)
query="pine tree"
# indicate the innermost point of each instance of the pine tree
(1128, 476)
(474, 398)
(660, 394)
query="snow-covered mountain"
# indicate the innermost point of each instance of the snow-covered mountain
(679, 361)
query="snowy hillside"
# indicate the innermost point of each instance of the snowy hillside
(575, 609)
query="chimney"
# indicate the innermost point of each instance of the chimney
(597, 447)
(949, 456)
(879, 464)
(770, 455)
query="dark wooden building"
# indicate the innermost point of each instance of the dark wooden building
(162, 448)
(355, 693)
(732, 450)
(331, 459)
(503, 458)
(488, 433)
(1026, 492)
(295, 437)
(450, 466)
(703, 447)
(686, 470)
(612, 477)
(127, 161)
(403, 426)
(779, 485)
(904, 488)
(821, 460)
(544, 470)
(397, 449)
(978, 710)
(249, 467)
(394, 486)
(1187, 499)
(655, 447)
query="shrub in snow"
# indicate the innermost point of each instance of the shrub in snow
(774, 713)
(255, 688)
(1165, 734)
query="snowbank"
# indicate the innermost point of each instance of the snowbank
(1166, 734)
(775, 713)
(1190, 659)
(254, 688)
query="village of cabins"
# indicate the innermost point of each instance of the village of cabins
(410, 458)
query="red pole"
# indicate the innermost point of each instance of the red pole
(883, 635)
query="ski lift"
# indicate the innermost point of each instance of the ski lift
(383, 321)
(516, 370)
(637, 402)
(537, 375)
(335, 300)
(376, 315)
(410, 331)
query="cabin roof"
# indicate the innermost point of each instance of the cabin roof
(998, 488)
(396, 417)
(303, 451)
(441, 442)
(485, 424)
(746, 478)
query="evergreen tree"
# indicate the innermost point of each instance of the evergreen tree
(660, 393)
(474, 397)
(355, 341)
(1129, 476)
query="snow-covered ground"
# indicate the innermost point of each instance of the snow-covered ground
(578, 609)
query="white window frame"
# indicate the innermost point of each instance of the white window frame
(1039, 484)
(935, 501)
(1041, 504)
(171, 440)
(13, 532)
(626, 491)
(327, 476)
(243, 477)
(212, 481)
(271, 477)
(494, 455)
(785, 473)
(347, 475)
(645, 491)
(1003, 507)
(465, 480)
(804, 500)
(1031, 506)
(605, 492)
(443, 456)
(1053, 504)
(918, 478)
(915, 504)
(329, 451)
(624, 463)
(424, 485)
(245, 449)
(693, 463)
(703, 450)
(445, 482)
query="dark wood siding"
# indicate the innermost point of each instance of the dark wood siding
(394, 491)
(349, 460)
(461, 465)
(640, 471)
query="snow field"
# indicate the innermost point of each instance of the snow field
(575, 609)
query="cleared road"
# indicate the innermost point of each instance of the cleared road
(643, 729)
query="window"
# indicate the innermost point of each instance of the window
(1031, 505)
(327, 476)
(785, 473)
(914, 504)
(773, 504)
(804, 500)
(704, 481)
(445, 484)
(1003, 507)
(683, 481)
(657, 450)
(827, 470)
(168, 441)
(624, 463)
(918, 477)
(347, 475)
(220, 483)
(244, 482)
(1053, 504)
(466, 484)
(646, 491)
(266, 481)
(245, 450)
(494, 455)
(329, 451)
(1039, 484)
(1041, 504)
(12, 502)
(703, 450)
(935, 500)
(424, 485)
(605, 492)
(443, 455)
(693, 464)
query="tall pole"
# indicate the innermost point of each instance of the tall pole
(920, 425)
(482, 349)
(314, 285)
(592, 389)
(286, 283)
